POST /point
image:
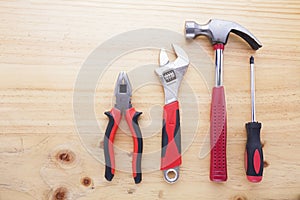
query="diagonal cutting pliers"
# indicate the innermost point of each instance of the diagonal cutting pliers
(123, 107)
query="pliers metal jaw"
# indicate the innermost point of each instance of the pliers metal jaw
(171, 75)
(123, 107)
(123, 93)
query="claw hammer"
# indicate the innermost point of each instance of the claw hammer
(218, 31)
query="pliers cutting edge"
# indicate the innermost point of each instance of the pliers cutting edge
(123, 106)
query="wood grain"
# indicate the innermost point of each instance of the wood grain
(43, 46)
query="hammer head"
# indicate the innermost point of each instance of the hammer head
(218, 31)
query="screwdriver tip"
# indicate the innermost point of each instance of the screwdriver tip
(251, 60)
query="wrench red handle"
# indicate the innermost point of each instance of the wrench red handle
(254, 163)
(132, 120)
(171, 137)
(114, 119)
(218, 135)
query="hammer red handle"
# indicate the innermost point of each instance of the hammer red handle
(218, 135)
(171, 138)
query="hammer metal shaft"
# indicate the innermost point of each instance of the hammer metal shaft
(219, 66)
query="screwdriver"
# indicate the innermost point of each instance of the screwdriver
(253, 154)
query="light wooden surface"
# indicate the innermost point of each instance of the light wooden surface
(43, 45)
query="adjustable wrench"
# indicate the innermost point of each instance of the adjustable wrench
(171, 74)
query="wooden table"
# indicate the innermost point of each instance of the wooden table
(43, 48)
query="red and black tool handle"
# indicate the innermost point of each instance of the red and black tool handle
(254, 162)
(218, 135)
(114, 116)
(132, 120)
(171, 137)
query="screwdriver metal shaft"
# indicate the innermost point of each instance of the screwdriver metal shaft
(252, 77)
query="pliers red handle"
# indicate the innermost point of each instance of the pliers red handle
(123, 107)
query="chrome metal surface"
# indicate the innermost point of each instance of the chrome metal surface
(252, 79)
(123, 92)
(219, 67)
(171, 175)
(218, 31)
(171, 73)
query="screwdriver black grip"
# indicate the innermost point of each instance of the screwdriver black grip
(254, 163)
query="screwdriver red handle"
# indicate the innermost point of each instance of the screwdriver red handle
(132, 120)
(218, 135)
(171, 137)
(254, 155)
(114, 119)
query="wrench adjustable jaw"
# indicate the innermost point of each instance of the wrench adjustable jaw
(171, 73)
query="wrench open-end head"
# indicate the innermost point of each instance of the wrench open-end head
(171, 73)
